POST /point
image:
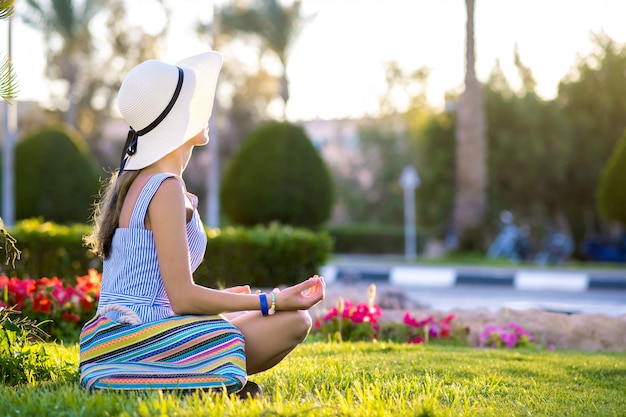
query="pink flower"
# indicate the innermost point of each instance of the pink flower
(63, 295)
(413, 322)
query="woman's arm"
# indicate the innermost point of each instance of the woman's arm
(167, 216)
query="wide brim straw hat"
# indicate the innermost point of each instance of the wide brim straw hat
(149, 89)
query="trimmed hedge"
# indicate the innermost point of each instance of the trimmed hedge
(260, 256)
(277, 176)
(51, 250)
(55, 176)
(371, 239)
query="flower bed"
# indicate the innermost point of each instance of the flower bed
(346, 321)
(361, 322)
(62, 309)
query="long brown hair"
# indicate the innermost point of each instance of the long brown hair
(106, 215)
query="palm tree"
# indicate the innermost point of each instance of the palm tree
(8, 78)
(275, 25)
(471, 161)
(70, 20)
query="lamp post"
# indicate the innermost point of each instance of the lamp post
(409, 180)
(213, 194)
(9, 134)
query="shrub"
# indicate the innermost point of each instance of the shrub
(23, 359)
(50, 249)
(277, 175)
(262, 256)
(610, 193)
(55, 176)
(371, 239)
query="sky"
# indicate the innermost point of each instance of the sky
(336, 67)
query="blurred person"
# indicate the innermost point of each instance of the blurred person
(155, 328)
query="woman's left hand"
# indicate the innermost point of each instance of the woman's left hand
(301, 296)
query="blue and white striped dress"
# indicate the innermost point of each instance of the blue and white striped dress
(131, 275)
(160, 350)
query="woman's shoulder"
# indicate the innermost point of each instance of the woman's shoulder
(147, 181)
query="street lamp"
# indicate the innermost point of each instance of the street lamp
(213, 195)
(409, 180)
(9, 134)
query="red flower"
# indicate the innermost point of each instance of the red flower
(89, 283)
(86, 303)
(42, 303)
(71, 317)
(416, 340)
(47, 282)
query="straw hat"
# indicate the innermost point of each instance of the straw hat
(166, 105)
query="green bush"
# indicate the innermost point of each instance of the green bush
(23, 359)
(259, 256)
(371, 239)
(50, 250)
(277, 175)
(262, 256)
(611, 197)
(55, 176)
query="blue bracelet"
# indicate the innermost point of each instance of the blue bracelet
(263, 299)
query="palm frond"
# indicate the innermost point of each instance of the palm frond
(6, 8)
(34, 14)
(8, 80)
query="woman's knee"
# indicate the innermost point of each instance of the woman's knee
(301, 323)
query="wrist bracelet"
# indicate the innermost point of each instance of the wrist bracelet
(263, 300)
(272, 309)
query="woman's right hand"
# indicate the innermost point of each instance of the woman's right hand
(301, 296)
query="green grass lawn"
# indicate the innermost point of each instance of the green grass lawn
(370, 379)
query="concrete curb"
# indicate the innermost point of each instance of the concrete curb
(446, 277)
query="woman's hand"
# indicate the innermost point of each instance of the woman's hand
(301, 296)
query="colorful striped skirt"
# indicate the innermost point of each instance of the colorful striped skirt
(177, 353)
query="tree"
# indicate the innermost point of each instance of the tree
(470, 202)
(366, 175)
(529, 149)
(370, 190)
(274, 25)
(593, 96)
(435, 163)
(69, 20)
(92, 67)
(611, 198)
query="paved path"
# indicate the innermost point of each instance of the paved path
(568, 290)
(520, 277)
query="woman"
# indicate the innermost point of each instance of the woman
(155, 328)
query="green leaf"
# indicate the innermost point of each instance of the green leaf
(8, 80)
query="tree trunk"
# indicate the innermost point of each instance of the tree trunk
(471, 162)
(284, 90)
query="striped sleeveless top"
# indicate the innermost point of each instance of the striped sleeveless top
(131, 276)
